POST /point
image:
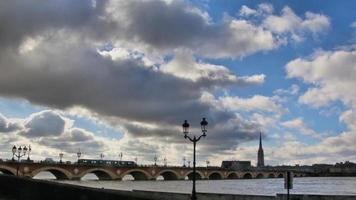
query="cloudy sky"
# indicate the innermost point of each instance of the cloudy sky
(122, 76)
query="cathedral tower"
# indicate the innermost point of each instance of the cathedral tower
(260, 156)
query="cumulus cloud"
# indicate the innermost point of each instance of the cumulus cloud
(255, 103)
(49, 132)
(65, 70)
(246, 11)
(113, 59)
(289, 22)
(45, 123)
(292, 90)
(299, 125)
(7, 125)
(162, 26)
(262, 10)
(35, 18)
(332, 75)
(184, 66)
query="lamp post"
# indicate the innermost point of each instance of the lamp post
(207, 163)
(18, 153)
(136, 160)
(120, 156)
(60, 157)
(165, 161)
(29, 152)
(185, 126)
(188, 163)
(102, 156)
(155, 159)
(184, 159)
(79, 154)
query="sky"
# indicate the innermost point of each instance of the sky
(106, 77)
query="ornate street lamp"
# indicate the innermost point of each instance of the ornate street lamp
(136, 160)
(188, 163)
(60, 157)
(185, 126)
(184, 159)
(207, 163)
(18, 153)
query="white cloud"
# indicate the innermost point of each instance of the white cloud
(292, 90)
(185, 66)
(262, 10)
(298, 124)
(331, 73)
(255, 103)
(246, 11)
(289, 22)
(353, 25)
(266, 8)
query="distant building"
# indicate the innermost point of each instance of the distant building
(236, 165)
(260, 155)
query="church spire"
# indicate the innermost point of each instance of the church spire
(260, 155)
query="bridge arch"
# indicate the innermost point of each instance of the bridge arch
(259, 175)
(168, 174)
(189, 174)
(247, 176)
(138, 174)
(232, 175)
(8, 170)
(280, 175)
(101, 173)
(215, 175)
(271, 175)
(59, 173)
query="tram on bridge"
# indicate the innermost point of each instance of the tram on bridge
(115, 163)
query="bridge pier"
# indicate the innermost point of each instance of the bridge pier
(75, 178)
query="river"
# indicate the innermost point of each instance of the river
(305, 185)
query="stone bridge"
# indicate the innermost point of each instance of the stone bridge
(105, 172)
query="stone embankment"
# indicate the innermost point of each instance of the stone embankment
(26, 189)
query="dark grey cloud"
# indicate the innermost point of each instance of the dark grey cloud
(20, 19)
(7, 125)
(149, 25)
(64, 75)
(166, 26)
(63, 68)
(80, 135)
(54, 132)
(72, 141)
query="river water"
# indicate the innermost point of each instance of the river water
(305, 185)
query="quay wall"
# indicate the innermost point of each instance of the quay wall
(27, 189)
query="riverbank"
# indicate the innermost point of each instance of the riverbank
(25, 189)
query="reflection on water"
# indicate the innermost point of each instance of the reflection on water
(308, 185)
(45, 175)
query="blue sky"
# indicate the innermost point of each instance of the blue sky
(110, 77)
